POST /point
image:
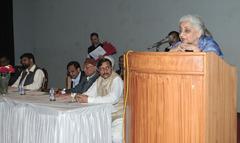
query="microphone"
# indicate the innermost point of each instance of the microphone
(163, 41)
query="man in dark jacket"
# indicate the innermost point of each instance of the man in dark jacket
(90, 77)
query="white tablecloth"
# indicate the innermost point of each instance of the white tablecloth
(34, 119)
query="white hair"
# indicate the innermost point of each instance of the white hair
(197, 22)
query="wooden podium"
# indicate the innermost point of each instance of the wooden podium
(180, 98)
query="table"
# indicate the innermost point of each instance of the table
(32, 118)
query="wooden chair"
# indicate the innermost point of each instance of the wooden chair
(45, 80)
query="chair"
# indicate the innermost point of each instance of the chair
(45, 80)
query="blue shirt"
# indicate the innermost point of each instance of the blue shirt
(207, 44)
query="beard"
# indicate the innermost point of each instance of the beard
(25, 66)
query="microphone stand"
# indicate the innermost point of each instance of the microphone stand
(158, 44)
(157, 48)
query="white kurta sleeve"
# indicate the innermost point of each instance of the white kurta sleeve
(37, 81)
(92, 91)
(112, 97)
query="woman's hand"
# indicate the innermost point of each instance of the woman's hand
(190, 47)
(184, 47)
(177, 49)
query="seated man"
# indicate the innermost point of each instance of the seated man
(108, 88)
(4, 61)
(90, 77)
(31, 77)
(74, 74)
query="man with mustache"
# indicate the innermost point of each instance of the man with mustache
(108, 88)
(74, 74)
(31, 77)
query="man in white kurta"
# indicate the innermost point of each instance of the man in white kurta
(108, 88)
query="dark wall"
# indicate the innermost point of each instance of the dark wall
(6, 30)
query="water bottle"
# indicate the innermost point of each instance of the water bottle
(21, 89)
(52, 94)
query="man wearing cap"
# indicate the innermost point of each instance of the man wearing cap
(90, 77)
(108, 88)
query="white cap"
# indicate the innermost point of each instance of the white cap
(111, 59)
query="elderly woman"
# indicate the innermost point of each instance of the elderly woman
(195, 37)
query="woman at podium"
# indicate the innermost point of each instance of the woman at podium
(195, 37)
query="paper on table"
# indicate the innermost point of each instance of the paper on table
(99, 51)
